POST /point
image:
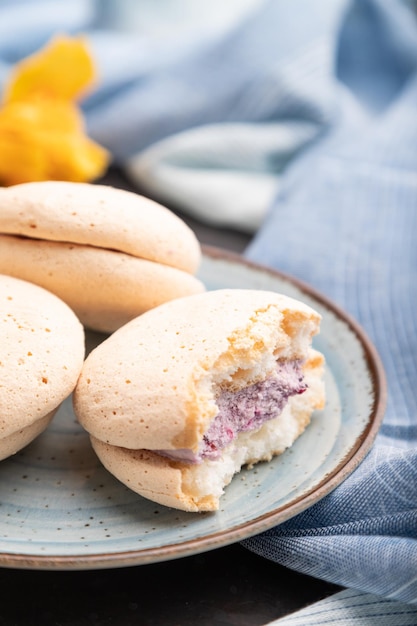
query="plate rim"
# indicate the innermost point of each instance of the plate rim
(239, 532)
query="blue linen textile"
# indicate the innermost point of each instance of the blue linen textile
(352, 608)
(320, 99)
(346, 222)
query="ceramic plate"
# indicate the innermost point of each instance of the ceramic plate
(60, 509)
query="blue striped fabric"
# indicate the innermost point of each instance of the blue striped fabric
(346, 222)
(352, 608)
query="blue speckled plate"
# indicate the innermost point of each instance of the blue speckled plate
(60, 509)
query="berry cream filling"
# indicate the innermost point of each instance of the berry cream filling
(245, 410)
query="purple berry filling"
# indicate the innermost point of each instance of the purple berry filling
(246, 410)
(252, 406)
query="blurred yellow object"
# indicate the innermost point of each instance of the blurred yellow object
(63, 69)
(42, 134)
(43, 139)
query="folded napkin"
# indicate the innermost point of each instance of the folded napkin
(295, 121)
(346, 222)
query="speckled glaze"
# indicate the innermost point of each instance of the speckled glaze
(60, 509)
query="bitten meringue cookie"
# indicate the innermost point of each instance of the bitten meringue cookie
(180, 399)
(110, 254)
(41, 356)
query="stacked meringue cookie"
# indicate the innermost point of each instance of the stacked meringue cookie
(109, 254)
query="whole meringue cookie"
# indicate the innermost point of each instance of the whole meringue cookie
(41, 356)
(110, 254)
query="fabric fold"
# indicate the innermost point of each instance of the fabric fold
(352, 608)
(347, 217)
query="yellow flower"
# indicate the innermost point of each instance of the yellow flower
(42, 134)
